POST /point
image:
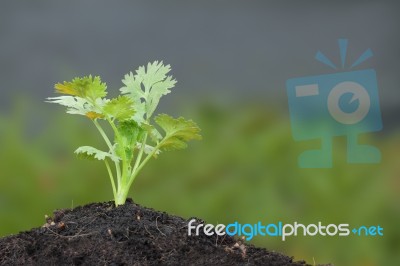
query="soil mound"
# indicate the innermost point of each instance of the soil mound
(100, 234)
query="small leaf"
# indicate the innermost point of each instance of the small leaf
(155, 72)
(87, 152)
(90, 88)
(120, 108)
(157, 91)
(66, 88)
(130, 130)
(130, 133)
(80, 106)
(76, 105)
(133, 90)
(178, 132)
(146, 88)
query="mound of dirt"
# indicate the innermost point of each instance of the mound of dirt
(101, 234)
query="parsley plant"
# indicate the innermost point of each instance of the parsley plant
(136, 138)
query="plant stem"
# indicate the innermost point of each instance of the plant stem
(121, 196)
(137, 169)
(103, 134)
(123, 187)
(111, 178)
(108, 142)
(139, 158)
(110, 146)
(125, 164)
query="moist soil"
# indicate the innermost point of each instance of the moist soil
(101, 234)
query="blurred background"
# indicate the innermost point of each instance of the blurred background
(231, 60)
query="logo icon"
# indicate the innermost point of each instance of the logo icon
(338, 104)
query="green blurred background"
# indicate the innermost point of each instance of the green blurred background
(231, 60)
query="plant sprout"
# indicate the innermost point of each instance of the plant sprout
(136, 138)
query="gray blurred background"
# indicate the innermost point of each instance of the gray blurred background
(231, 60)
(234, 50)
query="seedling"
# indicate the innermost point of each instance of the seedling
(136, 138)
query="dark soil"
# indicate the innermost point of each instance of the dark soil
(100, 234)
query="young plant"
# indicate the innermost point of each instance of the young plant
(136, 138)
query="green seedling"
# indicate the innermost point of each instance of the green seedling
(136, 138)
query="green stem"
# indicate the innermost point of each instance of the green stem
(110, 146)
(139, 158)
(125, 164)
(121, 196)
(121, 192)
(124, 189)
(138, 168)
(103, 134)
(111, 178)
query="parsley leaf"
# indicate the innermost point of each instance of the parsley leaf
(88, 87)
(120, 108)
(177, 132)
(80, 106)
(147, 87)
(87, 152)
(130, 134)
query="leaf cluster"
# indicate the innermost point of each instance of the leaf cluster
(137, 136)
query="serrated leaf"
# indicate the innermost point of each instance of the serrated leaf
(154, 73)
(88, 87)
(79, 106)
(147, 86)
(121, 108)
(66, 88)
(87, 152)
(177, 132)
(75, 105)
(133, 90)
(130, 133)
(157, 91)
(130, 130)
(91, 87)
